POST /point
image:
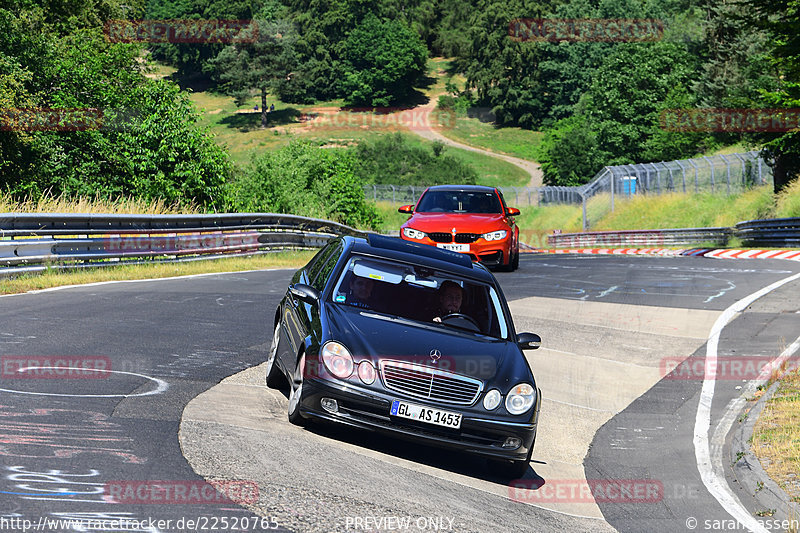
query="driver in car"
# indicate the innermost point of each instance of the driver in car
(450, 296)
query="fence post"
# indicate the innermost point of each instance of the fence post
(712, 173)
(683, 174)
(374, 193)
(613, 179)
(583, 211)
(744, 171)
(728, 169)
(696, 178)
(394, 202)
(658, 177)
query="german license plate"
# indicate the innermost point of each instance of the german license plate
(454, 247)
(426, 414)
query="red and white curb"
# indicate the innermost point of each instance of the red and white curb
(606, 251)
(722, 253)
(754, 254)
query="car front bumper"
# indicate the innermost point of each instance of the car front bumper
(490, 253)
(369, 410)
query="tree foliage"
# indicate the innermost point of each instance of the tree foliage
(391, 159)
(306, 180)
(383, 60)
(143, 141)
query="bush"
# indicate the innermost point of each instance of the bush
(569, 153)
(302, 179)
(390, 159)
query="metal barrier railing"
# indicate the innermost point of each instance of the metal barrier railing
(660, 237)
(30, 242)
(780, 232)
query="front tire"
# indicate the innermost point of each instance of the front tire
(515, 260)
(275, 377)
(296, 393)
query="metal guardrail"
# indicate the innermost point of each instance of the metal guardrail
(30, 242)
(780, 232)
(659, 237)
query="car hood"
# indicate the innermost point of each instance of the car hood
(381, 337)
(463, 222)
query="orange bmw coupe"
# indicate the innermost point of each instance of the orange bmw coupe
(470, 219)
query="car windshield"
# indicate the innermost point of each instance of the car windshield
(421, 294)
(459, 202)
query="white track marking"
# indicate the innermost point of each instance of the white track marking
(162, 385)
(99, 283)
(712, 472)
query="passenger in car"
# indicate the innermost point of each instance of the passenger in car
(360, 292)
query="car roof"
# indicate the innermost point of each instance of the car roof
(419, 254)
(466, 188)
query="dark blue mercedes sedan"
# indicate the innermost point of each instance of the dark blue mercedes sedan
(398, 337)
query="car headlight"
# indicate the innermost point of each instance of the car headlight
(520, 398)
(492, 399)
(366, 372)
(411, 233)
(495, 235)
(337, 360)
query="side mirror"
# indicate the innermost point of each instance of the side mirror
(409, 209)
(304, 292)
(512, 211)
(528, 341)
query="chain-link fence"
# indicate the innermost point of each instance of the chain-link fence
(409, 194)
(723, 174)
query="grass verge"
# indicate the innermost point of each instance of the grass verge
(54, 278)
(776, 436)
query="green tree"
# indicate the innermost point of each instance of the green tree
(261, 65)
(144, 141)
(628, 92)
(505, 72)
(306, 180)
(782, 19)
(570, 154)
(383, 60)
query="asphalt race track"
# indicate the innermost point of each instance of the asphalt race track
(148, 400)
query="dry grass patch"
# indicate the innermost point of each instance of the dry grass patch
(55, 278)
(776, 437)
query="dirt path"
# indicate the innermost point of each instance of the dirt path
(426, 131)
